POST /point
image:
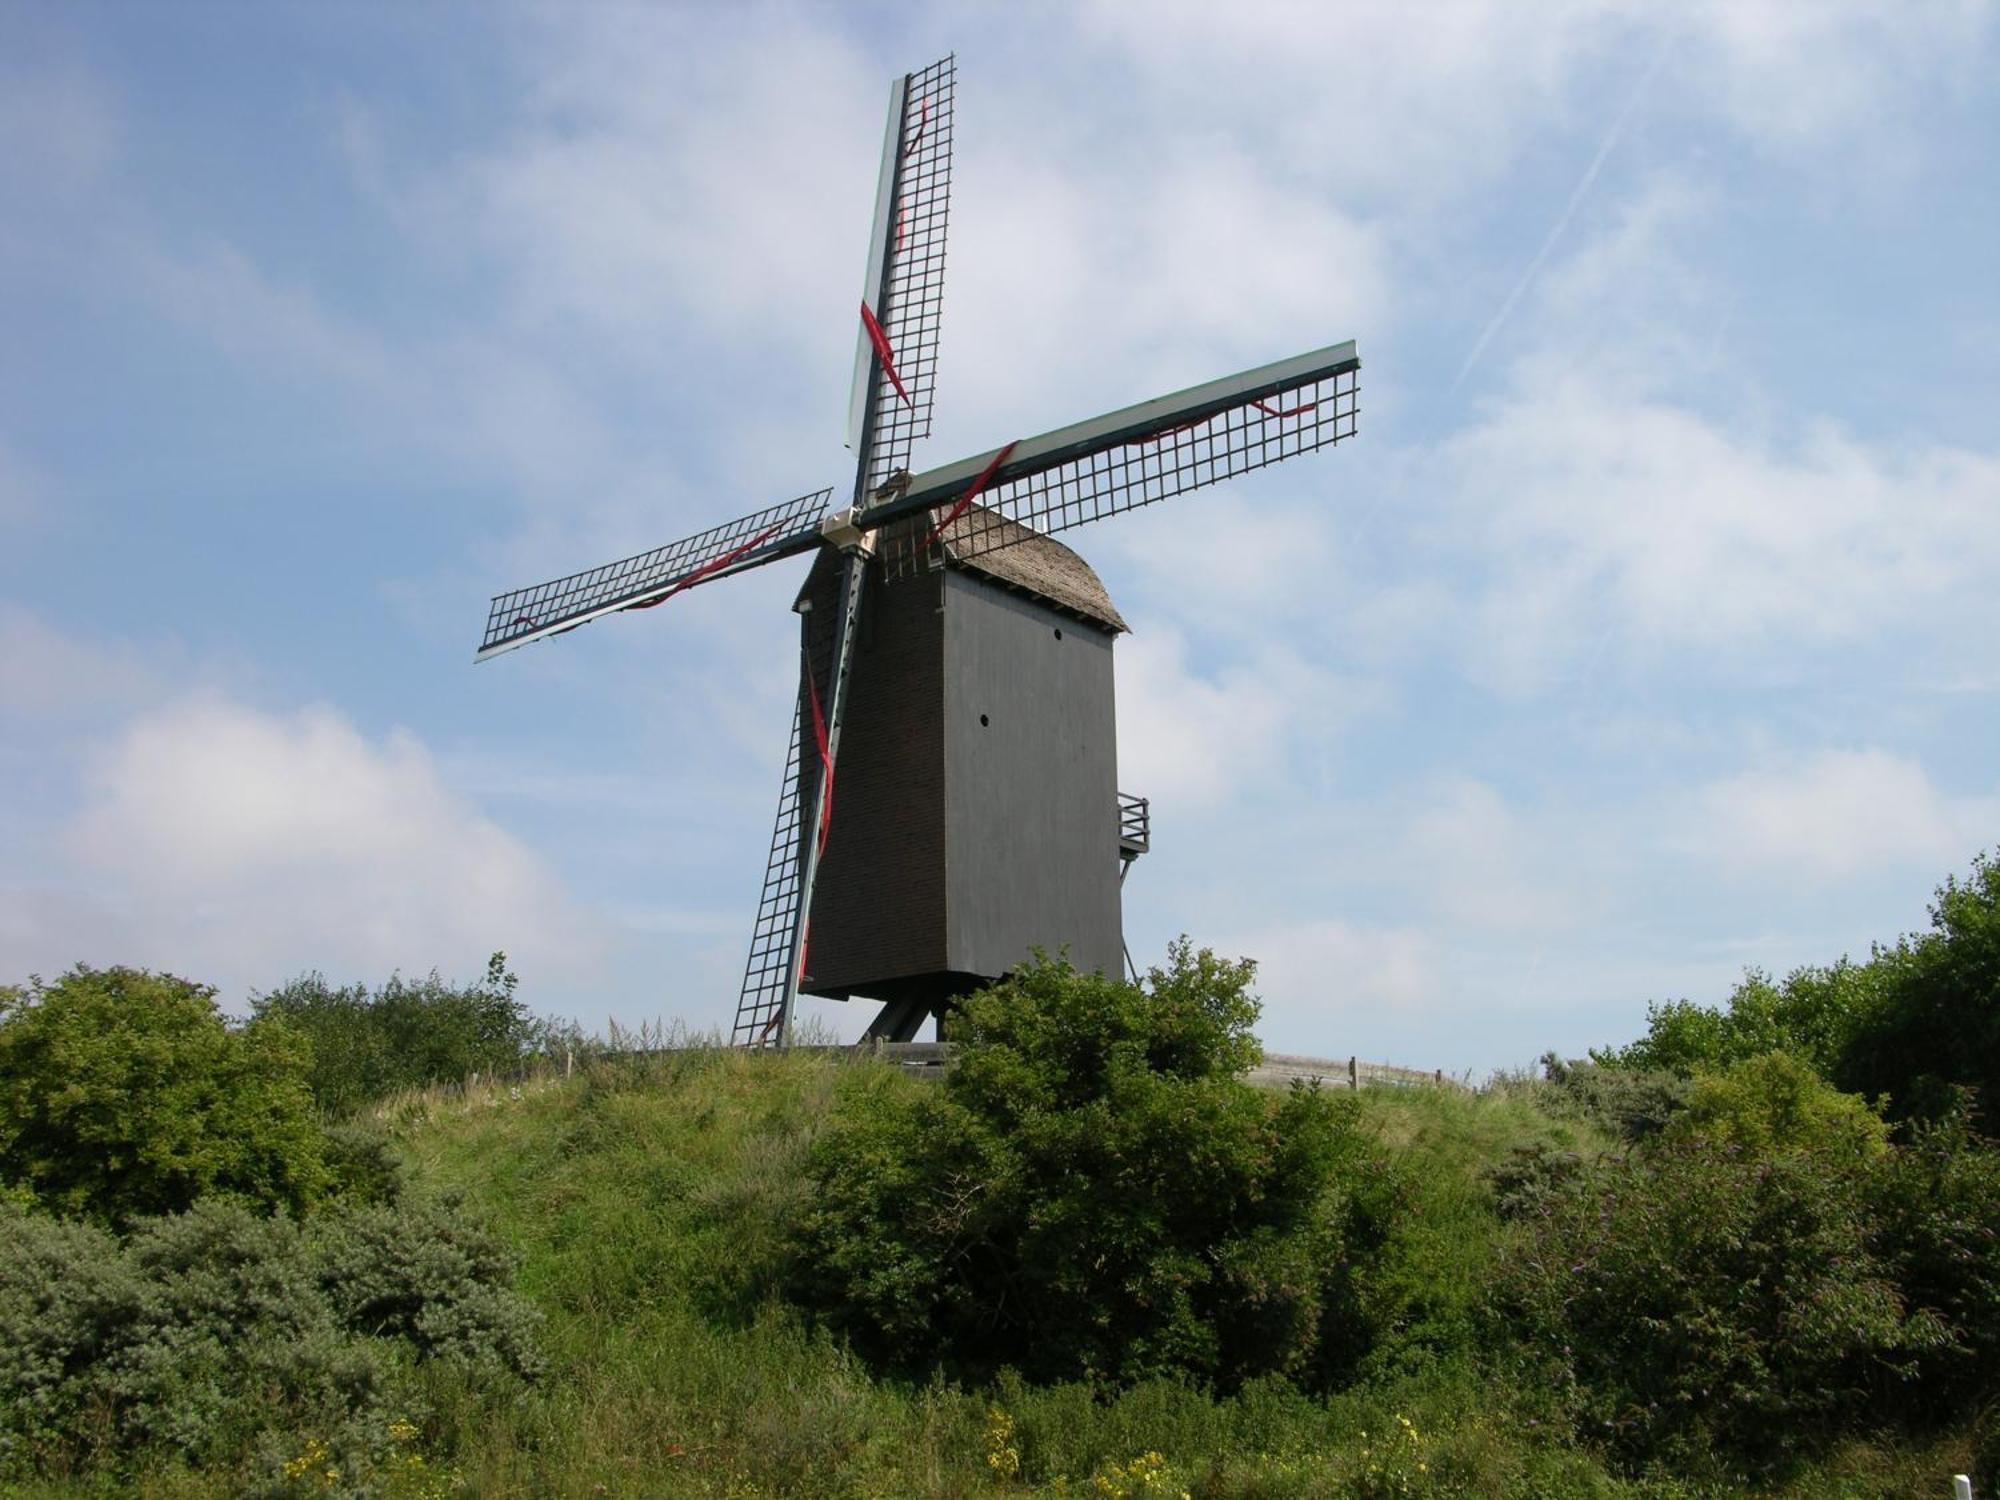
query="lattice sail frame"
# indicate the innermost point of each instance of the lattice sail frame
(767, 981)
(1125, 459)
(653, 577)
(904, 292)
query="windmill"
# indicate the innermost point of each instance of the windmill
(955, 660)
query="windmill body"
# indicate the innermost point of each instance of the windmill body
(950, 797)
(976, 810)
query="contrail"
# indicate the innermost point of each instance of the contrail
(1576, 197)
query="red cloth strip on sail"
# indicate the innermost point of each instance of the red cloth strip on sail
(825, 761)
(710, 568)
(884, 353)
(923, 119)
(1167, 432)
(1296, 411)
(972, 491)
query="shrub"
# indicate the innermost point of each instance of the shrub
(228, 1338)
(1775, 1103)
(363, 1163)
(428, 1274)
(1526, 1184)
(1709, 1301)
(1092, 1191)
(406, 1033)
(1936, 1202)
(205, 1329)
(1627, 1101)
(123, 1093)
(67, 1301)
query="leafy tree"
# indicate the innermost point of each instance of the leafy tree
(1936, 1202)
(406, 1033)
(122, 1092)
(1811, 1016)
(1932, 1024)
(1093, 1192)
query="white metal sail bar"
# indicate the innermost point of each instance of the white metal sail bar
(878, 244)
(901, 324)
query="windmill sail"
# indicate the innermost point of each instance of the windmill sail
(767, 972)
(1127, 458)
(650, 578)
(896, 350)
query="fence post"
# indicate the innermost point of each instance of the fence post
(1353, 1072)
(1961, 1487)
(569, 1062)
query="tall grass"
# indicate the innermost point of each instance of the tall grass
(649, 1195)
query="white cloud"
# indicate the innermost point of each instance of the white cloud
(1839, 813)
(1482, 866)
(1195, 738)
(1603, 512)
(1382, 104)
(1793, 75)
(1318, 979)
(1624, 484)
(244, 846)
(46, 674)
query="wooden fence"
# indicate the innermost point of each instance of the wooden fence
(1276, 1071)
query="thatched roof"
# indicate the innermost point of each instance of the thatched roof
(1012, 554)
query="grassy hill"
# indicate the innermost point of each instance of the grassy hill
(648, 1199)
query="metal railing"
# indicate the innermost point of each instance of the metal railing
(1135, 825)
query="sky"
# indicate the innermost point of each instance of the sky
(1643, 635)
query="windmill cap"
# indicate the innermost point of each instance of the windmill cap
(1022, 558)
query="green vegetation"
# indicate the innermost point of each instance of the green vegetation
(123, 1093)
(1773, 1105)
(1093, 1193)
(1088, 1261)
(405, 1034)
(1914, 1025)
(222, 1340)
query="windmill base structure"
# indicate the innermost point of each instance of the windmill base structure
(950, 800)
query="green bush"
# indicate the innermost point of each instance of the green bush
(1628, 1101)
(67, 1302)
(1936, 1204)
(428, 1274)
(1707, 1306)
(405, 1034)
(235, 1340)
(123, 1093)
(206, 1330)
(1092, 1192)
(1774, 1103)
